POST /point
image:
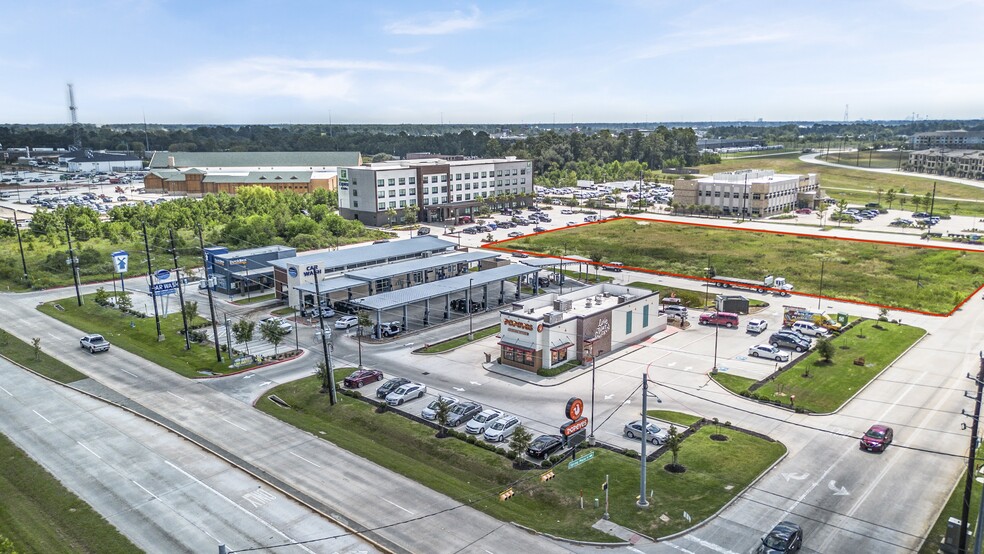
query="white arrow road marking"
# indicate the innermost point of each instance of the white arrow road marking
(265, 383)
(670, 364)
(796, 476)
(688, 368)
(609, 396)
(248, 376)
(475, 383)
(832, 485)
(459, 389)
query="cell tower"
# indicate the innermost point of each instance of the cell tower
(73, 110)
(845, 112)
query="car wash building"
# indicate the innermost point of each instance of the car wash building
(240, 271)
(552, 329)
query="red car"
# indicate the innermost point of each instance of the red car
(804, 211)
(362, 377)
(877, 438)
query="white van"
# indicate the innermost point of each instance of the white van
(809, 329)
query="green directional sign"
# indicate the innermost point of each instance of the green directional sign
(581, 460)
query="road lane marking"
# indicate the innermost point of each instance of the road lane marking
(305, 459)
(129, 373)
(41, 416)
(397, 505)
(146, 491)
(680, 548)
(90, 450)
(174, 395)
(234, 425)
(236, 504)
(6, 391)
(710, 545)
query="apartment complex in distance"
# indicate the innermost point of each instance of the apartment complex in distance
(948, 139)
(432, 189)
(968, 164)
(752, 192)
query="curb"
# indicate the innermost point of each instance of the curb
(573, 541)
(303, 352)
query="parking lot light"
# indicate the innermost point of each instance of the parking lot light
(471, 336)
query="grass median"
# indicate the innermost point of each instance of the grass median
(139, 335)
(716, 471)
(912, 277)
(456, 342)
(26, 355)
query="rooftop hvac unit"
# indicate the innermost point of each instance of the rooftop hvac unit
(622, 298)
(553, 317)
(563, 305)
(517, 307)
(597, 299)
(531, 310)
(587, 302)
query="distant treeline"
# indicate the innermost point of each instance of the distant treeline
(868, 132)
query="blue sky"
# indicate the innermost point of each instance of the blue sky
(250, 61)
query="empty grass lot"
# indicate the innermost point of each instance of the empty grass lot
(141, 338)
(717, 471)
(930, 280)
(827, 386)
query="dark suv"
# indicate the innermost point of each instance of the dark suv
(788, 339)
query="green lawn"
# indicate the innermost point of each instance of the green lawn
(837, 179)
(23, 353)
(679, 418)
(446, 345)
(287, 310)
(954, 509)
(139, 335)
(38, 514)
(823, 387)
(255, 299)
(476, 476)
(931, 280)
(870, 158)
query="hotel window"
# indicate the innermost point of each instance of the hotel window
(444, 178)
(403, 180)
(457, 176)
(381, 206)
(457, 187)
(413, 180)
(403, 203)
(393, 204)
(628, 323)
(413, 202)
(355, 204)
(499, 173)
(457, 198)
(391, 182)
(468, 197)
(380, 194)
(444, 189)
(392, 193)
(413, 192)
(434, 190)
(355, 192)
(485, 174)
(514, 172)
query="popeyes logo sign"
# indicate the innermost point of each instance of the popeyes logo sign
(518, 324)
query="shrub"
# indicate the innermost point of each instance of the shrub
(470, 439)
(501, 451)
(510, 455)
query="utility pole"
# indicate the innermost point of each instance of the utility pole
(211, 305)
(21, 246)
(181, 298)
(971, 456)
(324, 340)
(642, 502)
(74, 263)
(150, 275)
(980, 509)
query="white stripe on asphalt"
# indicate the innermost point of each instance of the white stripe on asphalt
(305, 459)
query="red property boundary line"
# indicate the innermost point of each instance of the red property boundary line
(497, 246)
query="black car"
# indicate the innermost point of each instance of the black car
(544, 445)
(390, 386)
(785, 537)
(462, 412)
(789, 340)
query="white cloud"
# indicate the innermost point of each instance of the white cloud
(437, 23)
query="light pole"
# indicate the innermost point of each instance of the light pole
(820, 295)
(707, 282)
(594, 357)
(314, 269)
(471, 336)
(715, 368)
(643, 503)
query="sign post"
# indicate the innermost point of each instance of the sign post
(121, 263)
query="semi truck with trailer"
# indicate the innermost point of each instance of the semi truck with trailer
(777, 285)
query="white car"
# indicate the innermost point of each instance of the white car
(809, 329)
(768, 351)
(346, 322)
(430, 412)
(317, 332)
(405, 393)
(502, 428)
(479, 423)
(284, 325)
(756, 325)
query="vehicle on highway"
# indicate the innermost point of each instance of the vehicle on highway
(463, 411)
(284, 325)
(430, 412)
(390, 386)
(405, 393)
(654, 433)
(502, 428)
(479, 423)
(544, 445)
(362, 377)
(613, 266)
(768, 351)
(94, 343)
(756, 325)
(783, 538)
(346, 322)
(877, 438)
(786, 339)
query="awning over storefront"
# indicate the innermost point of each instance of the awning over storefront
(562, 346)
(527, 348)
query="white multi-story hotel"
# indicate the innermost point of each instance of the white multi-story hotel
(432, 189)
(752, 192)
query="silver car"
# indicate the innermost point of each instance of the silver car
(430, 412)
(654, 433)
(502, 428)
(405, 393)
(479, 423)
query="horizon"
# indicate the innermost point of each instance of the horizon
(512, 62)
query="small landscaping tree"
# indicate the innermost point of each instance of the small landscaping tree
(323, 376)
(674, 440)
(825, 347)
(442, 413)
(242, 331)
(101, 297)
(272, 332)
(36, 343)
(191, 308)
(883, 314)
(365, 320)
(124, 302)
(520, 441)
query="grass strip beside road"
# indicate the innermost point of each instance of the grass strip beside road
(717, 471)
(734, 383)
(255, 299)
(41, 515)
(954, 508)
(679, 418)
(139, 335)
(23, 354)
(449, 344)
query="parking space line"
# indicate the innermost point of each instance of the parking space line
(710, 545)
(128, 373)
